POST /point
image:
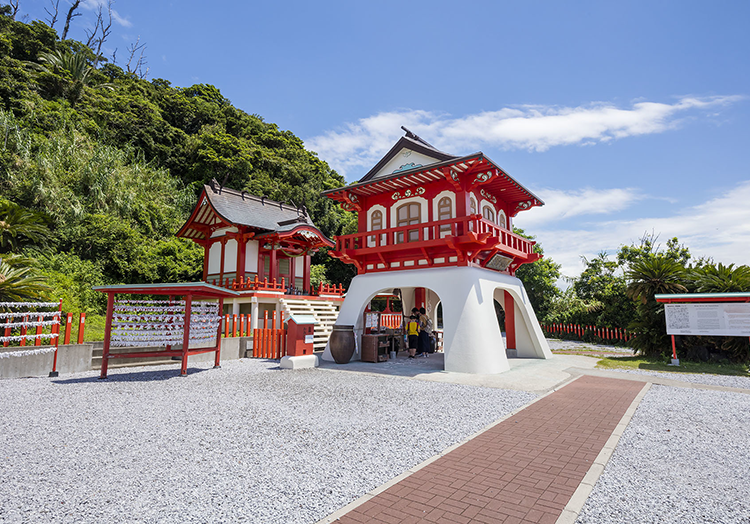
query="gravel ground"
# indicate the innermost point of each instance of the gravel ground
(573, 345)
(694, 378)
(683, 459)
(246, 443)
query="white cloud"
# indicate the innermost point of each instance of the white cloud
(531, 127)
(718, 228)
(560, 205)
(94, 5)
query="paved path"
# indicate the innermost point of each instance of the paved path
(522, 470)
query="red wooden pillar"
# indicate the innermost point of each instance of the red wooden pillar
(419, 297)
(218, 337)
(186, 332)
(274, 269)
(68, 327)
(107, 333)
(241, 242)
(38, 339)
(306, 274)
(510, 320)
(7, 331)
(81, 326)
(23, 331)
(206, 252)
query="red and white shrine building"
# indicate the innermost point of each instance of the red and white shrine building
(439, 227)
(261, 249)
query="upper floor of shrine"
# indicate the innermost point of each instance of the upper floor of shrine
(433, 209)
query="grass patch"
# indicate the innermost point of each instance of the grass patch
(660, 365)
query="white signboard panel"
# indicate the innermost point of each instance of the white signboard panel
(726, 319)
(309, 339)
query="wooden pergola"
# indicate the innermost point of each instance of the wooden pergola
(187, 290)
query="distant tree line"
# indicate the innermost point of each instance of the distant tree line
(110, 164)
(618, 292)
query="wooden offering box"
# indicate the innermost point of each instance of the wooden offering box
(375, 348)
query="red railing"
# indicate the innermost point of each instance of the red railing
(275, 286)
(595, 332)
(391, 320)
(432, 234)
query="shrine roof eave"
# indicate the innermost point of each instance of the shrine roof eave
(298, 230)
(702, 297)
(200, 289)
(433, 172)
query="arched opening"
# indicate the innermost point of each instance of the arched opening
(488, 213)
(385, 317)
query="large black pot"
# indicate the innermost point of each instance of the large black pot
(342, 343)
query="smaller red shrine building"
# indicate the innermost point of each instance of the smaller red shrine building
(440, 228)
(261, 249)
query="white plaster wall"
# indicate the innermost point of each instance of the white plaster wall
(299, 267)
(530, 341)
(472, 339)
(214, 258)
(230, 256)
(251, 256)
(401, 158)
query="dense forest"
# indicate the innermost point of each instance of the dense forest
(99, 167)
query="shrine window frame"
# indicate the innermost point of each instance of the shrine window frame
(488, 213)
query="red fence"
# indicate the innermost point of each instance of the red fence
(577, 330)
(268, 341)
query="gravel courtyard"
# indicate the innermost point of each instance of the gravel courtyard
(682, 460)
(246, 443)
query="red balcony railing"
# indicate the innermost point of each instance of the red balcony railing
(435, 234)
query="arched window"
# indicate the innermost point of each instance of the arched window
(376, 223)
(502, 220)
(473, 206)
(445, 212)
(407, 215)
(376, 220)
(488, 213)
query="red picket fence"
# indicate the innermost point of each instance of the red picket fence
(601, 333)
(270, 341)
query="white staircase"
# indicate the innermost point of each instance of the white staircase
(325, 312)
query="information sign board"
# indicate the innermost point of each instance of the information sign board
(711, 319)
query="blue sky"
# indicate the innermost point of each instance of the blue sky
(625, 117)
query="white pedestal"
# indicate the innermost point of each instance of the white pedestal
(301, 362)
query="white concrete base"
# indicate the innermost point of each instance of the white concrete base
(301, 362)
(675, 362)
(472, 340)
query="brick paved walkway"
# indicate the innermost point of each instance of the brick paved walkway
(523, 470)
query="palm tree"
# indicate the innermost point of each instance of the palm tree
(19, 282)
(20, 227)
(650, 276)
(721, 278)
(74, 63)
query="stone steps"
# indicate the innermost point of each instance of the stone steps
(325, 313)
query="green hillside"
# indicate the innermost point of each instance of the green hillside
(112, 165)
